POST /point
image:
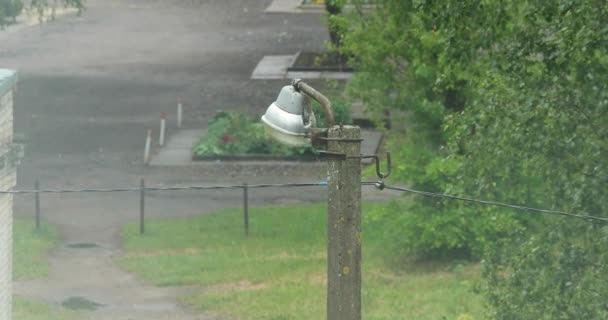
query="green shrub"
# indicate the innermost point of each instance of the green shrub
(516, 94)
(431, 227)
(340, 108)
(231, 133)
(10, 8)
(556, 274)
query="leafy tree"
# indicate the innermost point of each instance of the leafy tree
(12, 8)
(421, 57)
(334, 9)
(508, 101)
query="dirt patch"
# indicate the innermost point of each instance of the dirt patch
(318, 279)
(291, 256)
(238, 286)
(82, 245)
(168, 252)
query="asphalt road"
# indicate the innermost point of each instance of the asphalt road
(91, 86)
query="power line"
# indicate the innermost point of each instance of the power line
(381, 186)
(378, 185)
(170, 188)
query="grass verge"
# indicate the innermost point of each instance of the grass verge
(278, 272)
(29, 248)
(31, 310)
(29, 261)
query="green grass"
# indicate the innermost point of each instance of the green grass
(30, 310)
(29, 248)
(279, 271)
(29, 261)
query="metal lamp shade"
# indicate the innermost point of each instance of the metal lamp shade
(284, 119)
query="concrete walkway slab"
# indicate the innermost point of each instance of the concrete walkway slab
(178, 149)
(334, 75)
(275, 67)
(272, 67)
(284, 6)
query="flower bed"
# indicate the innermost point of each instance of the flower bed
(232, 136)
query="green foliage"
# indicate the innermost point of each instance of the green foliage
(436, 228)
(33, 310)
(556, 274)
(29, 248)
(508, 102)
(340, 108)
(42, 5)
(232, 133)
(12, 8)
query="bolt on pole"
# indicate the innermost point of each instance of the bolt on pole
(344, 225)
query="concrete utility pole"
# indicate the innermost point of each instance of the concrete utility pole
(289, 120)
(344, 225)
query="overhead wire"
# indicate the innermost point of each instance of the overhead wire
(381, 186)
(170, 188)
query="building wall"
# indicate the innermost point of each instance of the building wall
(7, 181)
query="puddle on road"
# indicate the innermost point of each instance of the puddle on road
(82, 245)
(81, 303)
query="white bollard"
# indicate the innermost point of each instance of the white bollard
(147, 148)
(179, 113)
(163, 120)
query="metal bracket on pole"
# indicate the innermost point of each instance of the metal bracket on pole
(327, 155)
(377, 160)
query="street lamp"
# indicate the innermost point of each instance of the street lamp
(290, 120)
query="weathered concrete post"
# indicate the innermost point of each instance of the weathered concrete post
(179, 113)
(163, 126)
(344, 225)
(147, 147)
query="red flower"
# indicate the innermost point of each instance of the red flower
(227, 139)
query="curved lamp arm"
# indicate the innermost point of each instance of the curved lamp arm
(317, 96)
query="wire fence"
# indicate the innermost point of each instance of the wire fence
(142, 188)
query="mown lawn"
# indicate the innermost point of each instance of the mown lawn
(32, 310)
(278, 272)
(29, 261)
(29, 248)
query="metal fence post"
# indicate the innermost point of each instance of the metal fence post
(246, 208)
(37, 201)
(141, 206)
